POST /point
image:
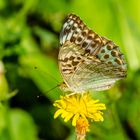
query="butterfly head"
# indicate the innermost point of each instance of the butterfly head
(64, 87)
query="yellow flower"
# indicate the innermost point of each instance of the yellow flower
(79, 106)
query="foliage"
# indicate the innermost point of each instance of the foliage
(29, 45)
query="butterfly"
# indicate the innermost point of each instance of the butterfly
(86, 60)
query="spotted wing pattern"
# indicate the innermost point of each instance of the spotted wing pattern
(86, 60)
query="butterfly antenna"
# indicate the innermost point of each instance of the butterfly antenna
(52, 88)
(47, 73)
(38, 96)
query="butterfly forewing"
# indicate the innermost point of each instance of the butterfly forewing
(75, 31)
(86, 60)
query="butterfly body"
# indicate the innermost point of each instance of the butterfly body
(86, 60)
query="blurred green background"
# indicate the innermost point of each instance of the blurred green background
(29, 45)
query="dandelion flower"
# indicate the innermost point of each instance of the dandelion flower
(75, 106)
(79, 108)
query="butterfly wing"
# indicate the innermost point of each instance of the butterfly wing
(95, 75)
(86, 60)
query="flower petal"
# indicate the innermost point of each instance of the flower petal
(68, 117)
(75, 119)
(57, 113)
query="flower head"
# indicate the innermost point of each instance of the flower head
(79, 106)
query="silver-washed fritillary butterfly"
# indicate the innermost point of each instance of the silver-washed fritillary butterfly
(86, 60)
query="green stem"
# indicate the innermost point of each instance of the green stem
(80, 137)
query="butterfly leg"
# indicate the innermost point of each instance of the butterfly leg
(73, 93)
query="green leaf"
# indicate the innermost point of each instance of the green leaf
(21, 126)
